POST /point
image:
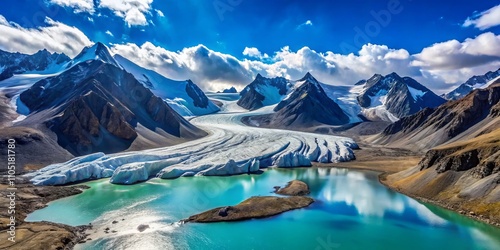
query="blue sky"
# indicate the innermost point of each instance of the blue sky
(267, 25)
(229, 26)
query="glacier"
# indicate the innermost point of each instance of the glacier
(230, 148)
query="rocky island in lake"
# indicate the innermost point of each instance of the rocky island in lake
(259, 206)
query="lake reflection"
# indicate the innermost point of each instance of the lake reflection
(352, 211)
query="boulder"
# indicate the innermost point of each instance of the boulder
(141, 228)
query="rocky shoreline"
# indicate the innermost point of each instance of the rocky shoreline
(387, 161)
(458, 207)
(38, 235)
(48, 235)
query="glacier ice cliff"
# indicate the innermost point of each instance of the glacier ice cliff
(230, 148)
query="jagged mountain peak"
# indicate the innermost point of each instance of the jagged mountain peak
(393, 75)
(489, 73)
(476, 112)
(263, 91)
(475, 82)
(379, 82)
(42, 52)
(387, 80)
(40, 62)
(308, 105)
(309, 81)
(231, 90)
(399, 96)
(309, 77)
(95, 99)
(45, 55)
(98, 51)
(259, 76)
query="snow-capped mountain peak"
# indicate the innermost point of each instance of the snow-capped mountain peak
(264, 91)
(393, 75)
(185, 97)
(308, 76)
(394, 97)
(309, 79)
(259, 77)
(308, 104)
(475, 82)
(98, 51)
(491, 82)
(42, 62)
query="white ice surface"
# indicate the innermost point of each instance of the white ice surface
(345, 97)
(379, 98)
(92, 53)
(17, 84)
(230, 148)
(271, 94)
(489, 83)
(380, 112)
(415, 93)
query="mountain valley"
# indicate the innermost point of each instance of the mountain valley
(103, 116)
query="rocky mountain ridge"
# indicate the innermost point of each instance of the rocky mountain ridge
(98, 107)
(18, 63)
(476, 113)
(478, 81)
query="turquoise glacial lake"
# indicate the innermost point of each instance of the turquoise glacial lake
(352, 211)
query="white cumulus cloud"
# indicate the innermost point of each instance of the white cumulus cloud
(213, 70)
(55, 37)
(440, 66)
(208, 68)
(254, 52)
(453, 54)
(77, 5)
(132, 11)
(454, 62)
(484, 20)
